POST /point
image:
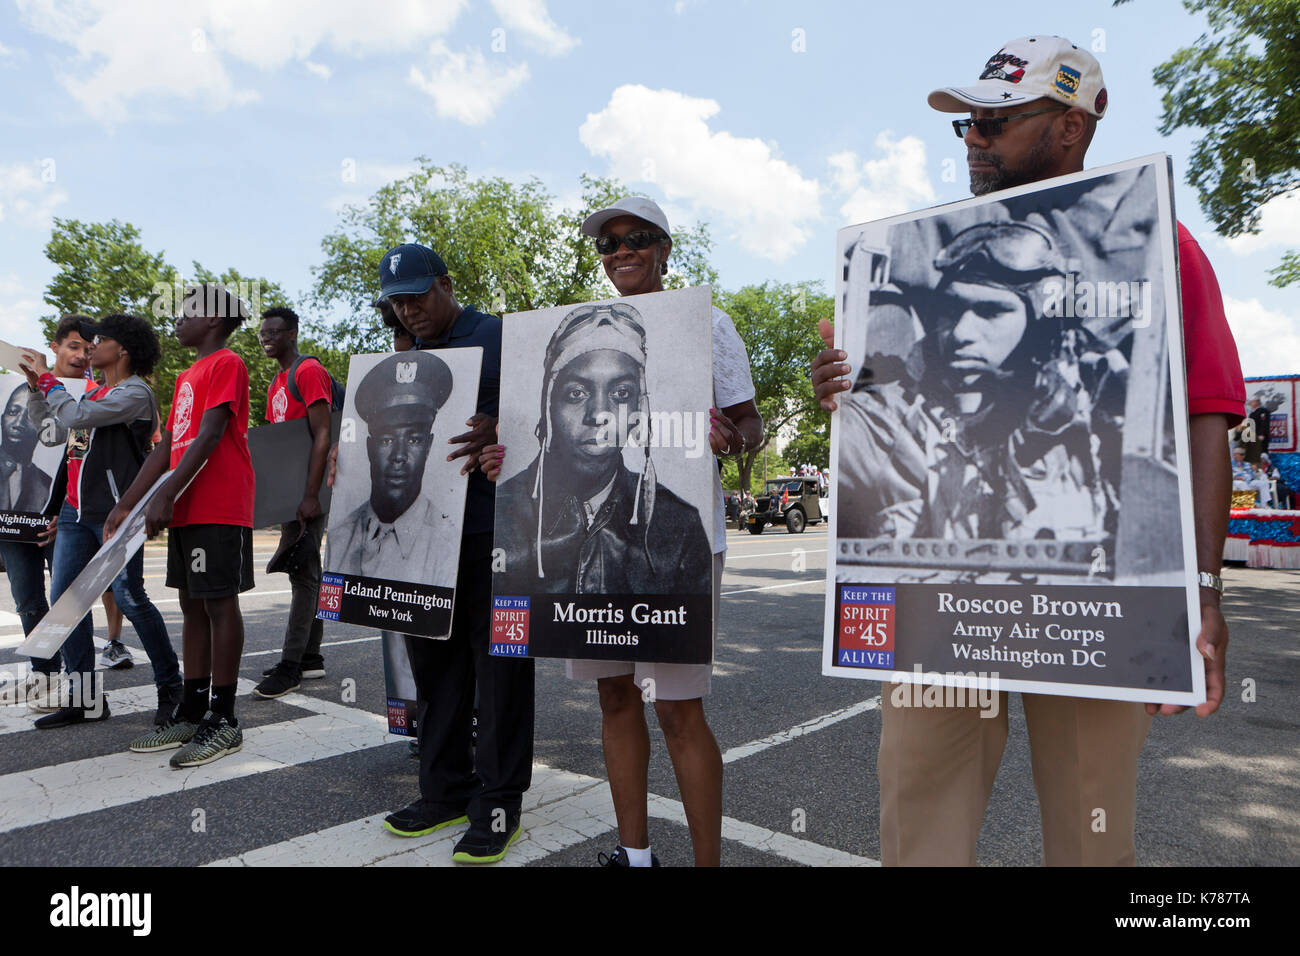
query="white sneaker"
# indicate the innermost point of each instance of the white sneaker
(116, 655)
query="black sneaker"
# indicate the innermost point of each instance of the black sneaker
(67, 716)
(482, 844)
(169, 698)
(619, 858)
(421, 818)
(313, 667)
(281, 679)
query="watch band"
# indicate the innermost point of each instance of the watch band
(1207, 580)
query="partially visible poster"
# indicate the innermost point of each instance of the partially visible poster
(96, 578)
(30, 456)
(1012, 498)
(604, 507)
(1278, 395)
(402, 700)
(281, 455)
(393, 544)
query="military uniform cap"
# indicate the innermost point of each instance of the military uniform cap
(404, 389)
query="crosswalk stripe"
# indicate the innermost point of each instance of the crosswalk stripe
(560, 810)
(58, 791)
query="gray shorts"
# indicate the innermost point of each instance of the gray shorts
(671, 681)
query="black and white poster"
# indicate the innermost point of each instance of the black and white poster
(1012, 497)
(604, 507)
(393, 543)
(401, 698)
(30, 455)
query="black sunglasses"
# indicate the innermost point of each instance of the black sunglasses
(991, 126)
(607, 245)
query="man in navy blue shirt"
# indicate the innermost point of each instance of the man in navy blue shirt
(486, 786)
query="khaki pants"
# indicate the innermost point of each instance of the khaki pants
(937, 765)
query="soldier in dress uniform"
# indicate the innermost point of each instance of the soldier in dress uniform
(399, 533)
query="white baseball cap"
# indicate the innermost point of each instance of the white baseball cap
(638, 206)
(1027, 69)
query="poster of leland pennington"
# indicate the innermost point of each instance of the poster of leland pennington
(1011, 504)
(606, 498)
(392, 549)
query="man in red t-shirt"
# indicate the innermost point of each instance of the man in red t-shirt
(208, 504)
(301, 656)
(1033, 113)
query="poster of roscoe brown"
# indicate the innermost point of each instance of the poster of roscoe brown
(392, 549)
(604, 507)
(1011, 506)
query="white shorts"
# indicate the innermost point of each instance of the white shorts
(671, 681)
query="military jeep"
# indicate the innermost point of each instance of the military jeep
(792, 502)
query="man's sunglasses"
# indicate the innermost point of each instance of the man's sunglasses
(607, 245)
(991, 126)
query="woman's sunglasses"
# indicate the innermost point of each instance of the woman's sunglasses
(640, 239)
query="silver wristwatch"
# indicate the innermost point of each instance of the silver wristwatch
(1207, 580)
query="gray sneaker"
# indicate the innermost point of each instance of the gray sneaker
(214, 739)
(116, 656)
(175, 733)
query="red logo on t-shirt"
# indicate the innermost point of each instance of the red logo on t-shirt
(184, 408)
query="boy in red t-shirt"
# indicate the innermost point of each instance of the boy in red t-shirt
(210, 547)
(308, 398)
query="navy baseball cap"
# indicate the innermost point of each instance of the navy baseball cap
(409, 269)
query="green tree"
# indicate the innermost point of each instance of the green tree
(812, 439)
(1237, 85)
(778, 323)
(507, 246)
(103, 268)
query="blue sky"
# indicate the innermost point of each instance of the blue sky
(231, 131)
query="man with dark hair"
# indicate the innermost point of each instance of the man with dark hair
(110, 429)
(25, 563)
(1033, 113)
(1260, 419)
(208, 504)
(487, 788)
(307, 396)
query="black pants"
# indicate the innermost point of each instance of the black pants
(498, 772)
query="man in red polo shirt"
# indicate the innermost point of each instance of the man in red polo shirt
(306, 396)
(1034, 110)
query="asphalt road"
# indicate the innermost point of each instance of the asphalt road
(318, 771)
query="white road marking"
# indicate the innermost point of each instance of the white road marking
(68, 789)
(800, 730)
(771, 554)
(820, 582)
(561, 809)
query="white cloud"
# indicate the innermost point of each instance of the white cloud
(464, 86)
(26, 198)
(663, 137)
(20, 310)
(365, 176)
(1268, 341)
(318, 69)
(896, 182)
(1279, 225)
(531, 18)
(130, 48)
